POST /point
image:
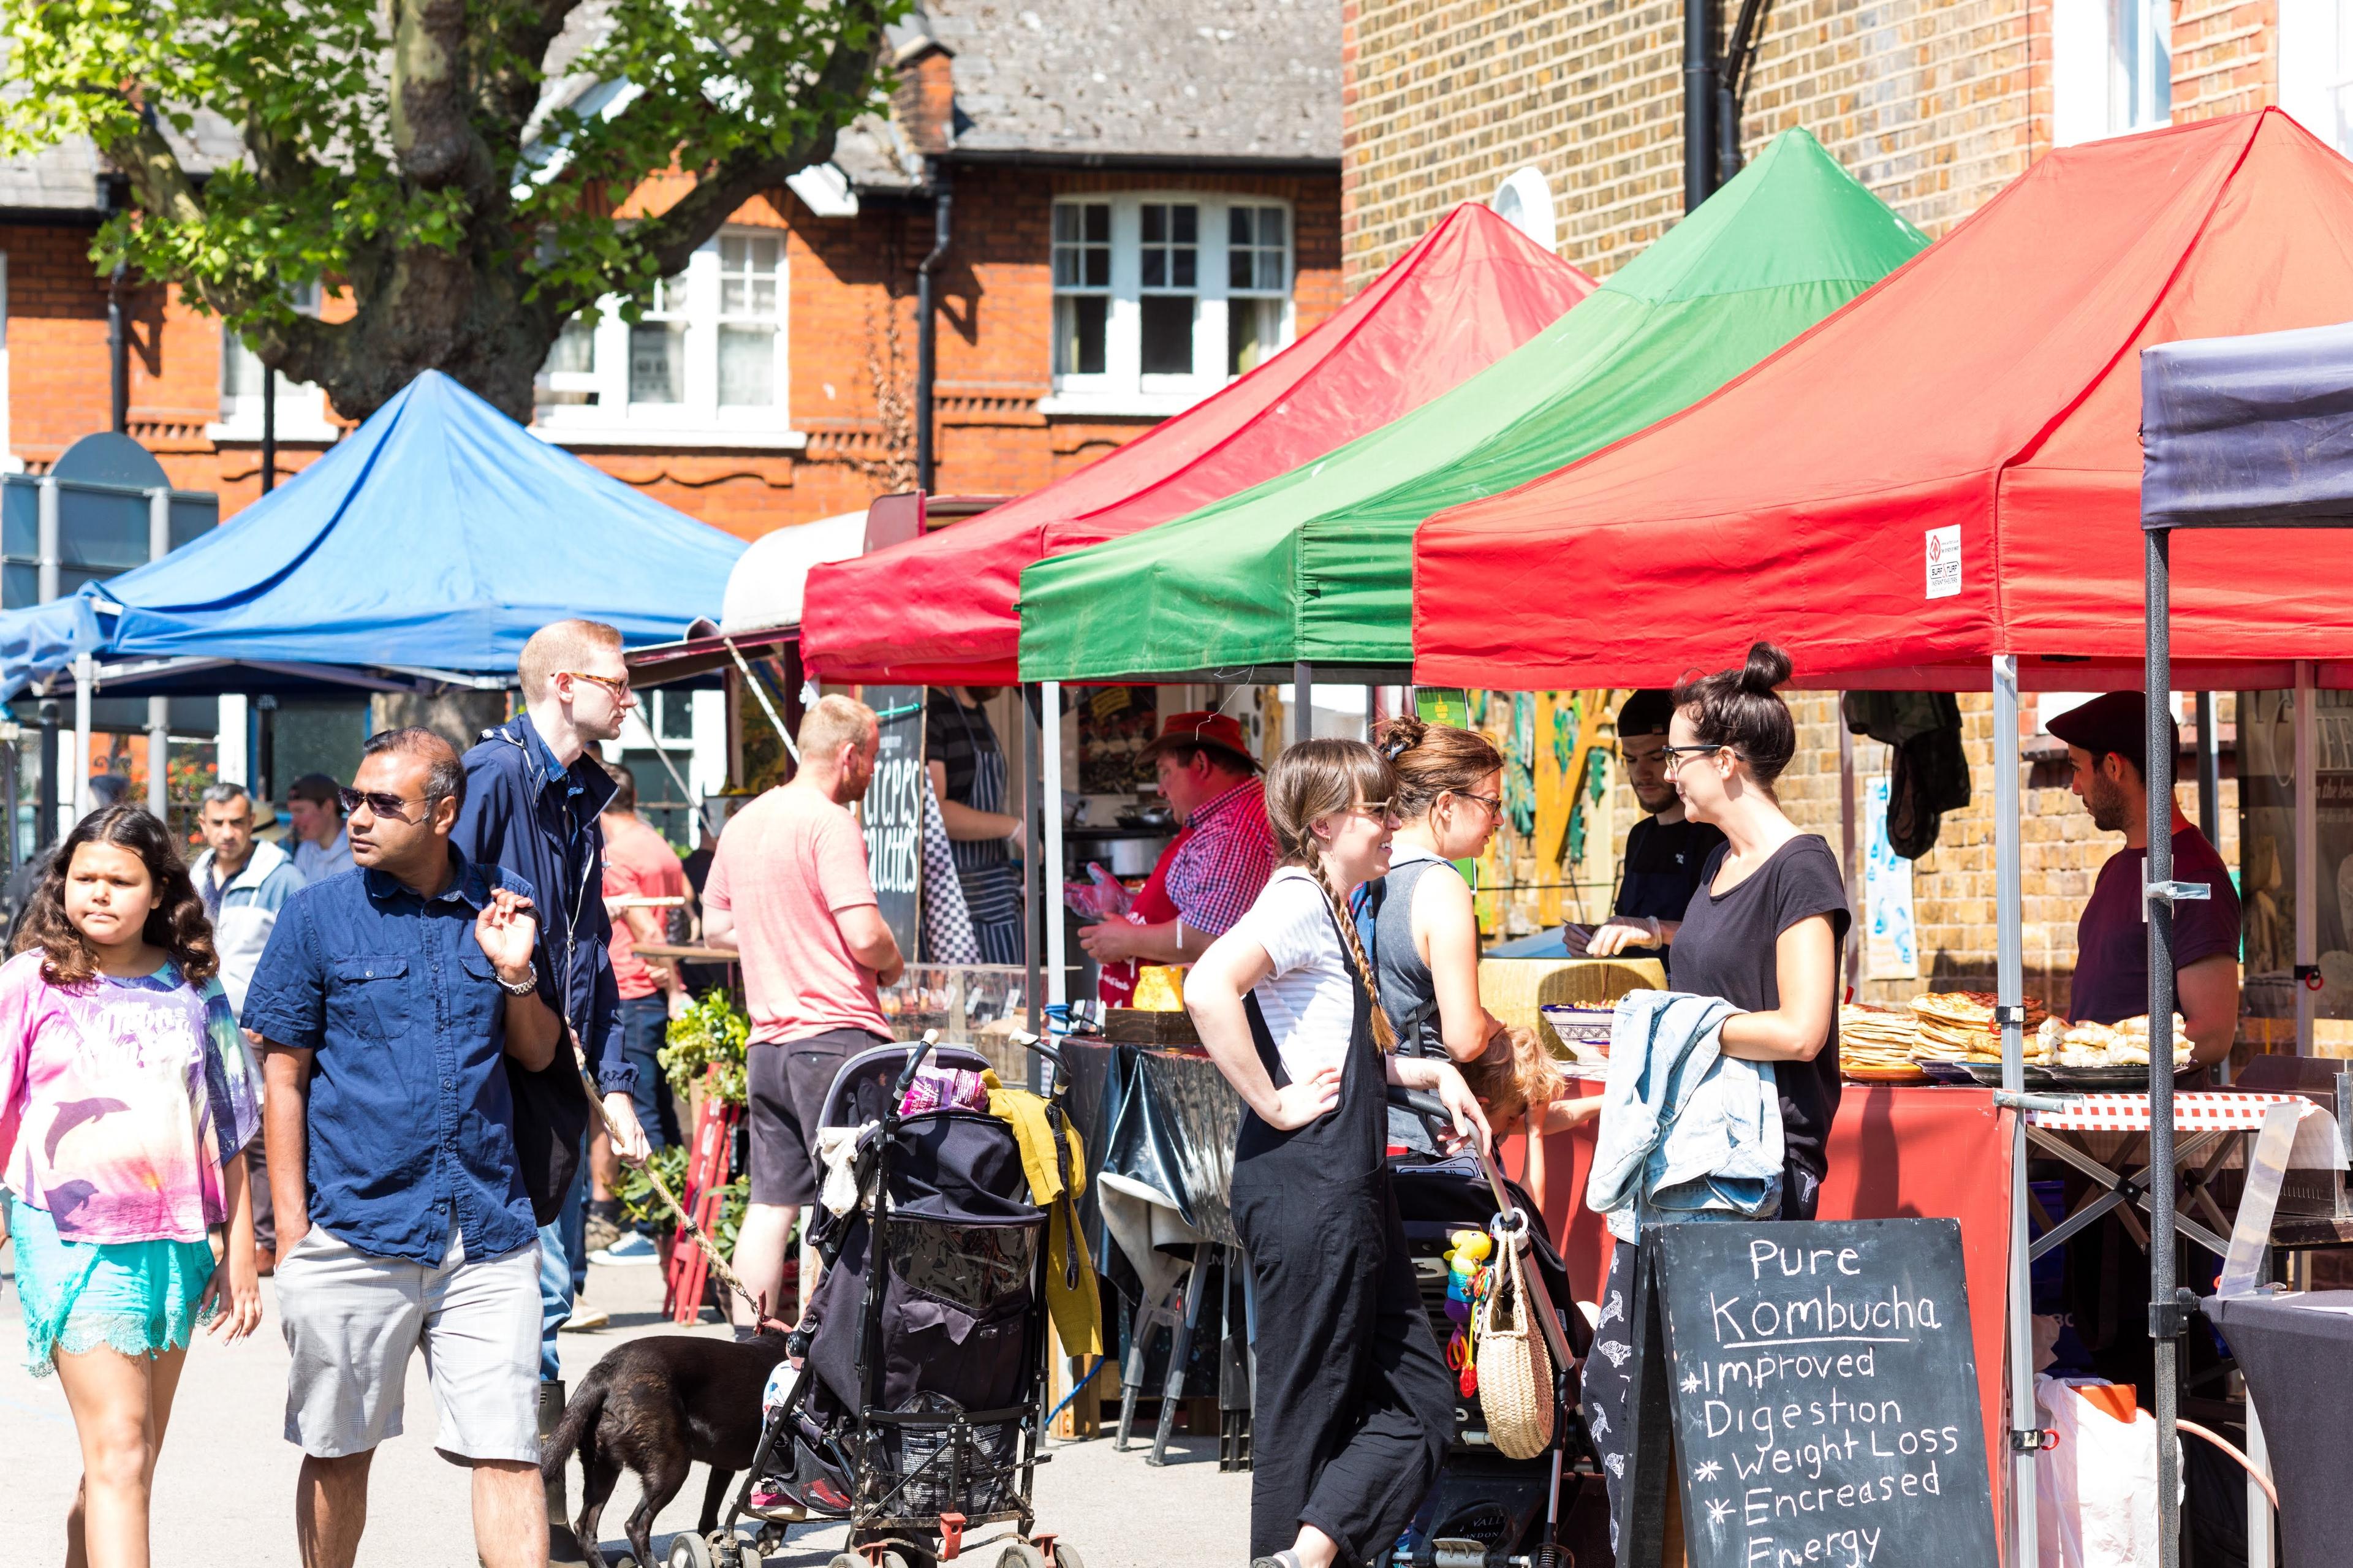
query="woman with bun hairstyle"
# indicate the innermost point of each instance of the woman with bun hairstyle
(1763, 932)
(126, 1096)
(1422, 931)
(1353, 1405)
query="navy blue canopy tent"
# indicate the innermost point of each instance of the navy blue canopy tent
(2236, 432)
(418, 553)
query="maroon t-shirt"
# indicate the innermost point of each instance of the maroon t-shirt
(2112, 940)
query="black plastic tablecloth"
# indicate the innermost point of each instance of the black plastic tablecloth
(2296, 1352)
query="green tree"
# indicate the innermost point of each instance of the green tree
(439, 159)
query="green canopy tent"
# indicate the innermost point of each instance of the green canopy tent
(1309, 573)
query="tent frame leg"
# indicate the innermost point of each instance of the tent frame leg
(2009, 992)
(2166, 1316)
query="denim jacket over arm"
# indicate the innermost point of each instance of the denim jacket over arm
(1686, 1131)
(539, 821)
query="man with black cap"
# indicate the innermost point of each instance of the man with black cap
(2107, 746)
(1665, 852)
(1210, 872)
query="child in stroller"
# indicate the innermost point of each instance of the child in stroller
(917, 1407)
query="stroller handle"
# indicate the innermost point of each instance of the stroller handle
(914, 1065)
(1037, 1044)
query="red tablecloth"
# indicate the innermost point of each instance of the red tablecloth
(1894, 1153)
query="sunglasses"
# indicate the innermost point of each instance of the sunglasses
(1380, 810)
(381, 804)
(619, 686)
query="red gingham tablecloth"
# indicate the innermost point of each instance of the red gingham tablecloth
(2316, 1147)
(2191, 1111)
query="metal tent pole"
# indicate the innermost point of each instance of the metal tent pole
(85, 677)
(2010, 993)
(1050, 715)
(2307, 855)
(2209, 771)
(2165, 1315)
(159, 709)
(1033, 882)
(1303, 702)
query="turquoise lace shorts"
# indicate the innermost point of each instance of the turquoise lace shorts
(136, 1297)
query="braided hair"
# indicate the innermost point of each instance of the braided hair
(1309, 782)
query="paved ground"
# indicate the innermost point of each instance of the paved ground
(225, 1487)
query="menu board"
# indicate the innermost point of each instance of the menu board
(892, 812)
(1823, 1394)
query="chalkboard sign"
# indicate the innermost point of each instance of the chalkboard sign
(892, 812)
(1823, 1394)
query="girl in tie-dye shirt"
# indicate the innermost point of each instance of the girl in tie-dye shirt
(126, 1094)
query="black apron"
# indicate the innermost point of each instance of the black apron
(1353, 1408)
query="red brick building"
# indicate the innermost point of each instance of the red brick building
(1142, 202)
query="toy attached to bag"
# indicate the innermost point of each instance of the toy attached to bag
(1469, 1278)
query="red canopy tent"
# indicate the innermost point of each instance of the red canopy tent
(1939, 488)
(940, 608)
(1946, 469)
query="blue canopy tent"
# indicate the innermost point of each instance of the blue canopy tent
(419, 554)
(2236, 432)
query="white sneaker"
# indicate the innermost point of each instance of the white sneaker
(631, 1249)
(584, 1319)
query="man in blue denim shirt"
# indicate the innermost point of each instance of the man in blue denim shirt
(388, 1004)
(532, 798)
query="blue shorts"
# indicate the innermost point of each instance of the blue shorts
(136, 1297)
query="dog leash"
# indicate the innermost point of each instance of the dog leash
(719, 1265)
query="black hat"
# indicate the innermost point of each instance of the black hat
(2118, 722)
(1645, 713)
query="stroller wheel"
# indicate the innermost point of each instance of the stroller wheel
(688, 1551)
(1066, 1557)
(1021, 1554)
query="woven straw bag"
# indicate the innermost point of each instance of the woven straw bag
(1515, 1368)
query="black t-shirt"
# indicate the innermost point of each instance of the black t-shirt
(1726, 948)
(2112, 940)
(1662, 870)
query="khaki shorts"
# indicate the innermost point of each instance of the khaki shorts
(353, 1320)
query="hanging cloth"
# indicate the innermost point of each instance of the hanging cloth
(947, 936)
(1929, 774)
(1056, 1163)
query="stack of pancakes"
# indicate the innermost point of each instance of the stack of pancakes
(1876, 1040)
(1960, 1025)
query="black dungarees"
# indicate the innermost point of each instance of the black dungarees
(1352, 1405)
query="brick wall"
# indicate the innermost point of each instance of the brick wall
(1934, 104)
(850, 279)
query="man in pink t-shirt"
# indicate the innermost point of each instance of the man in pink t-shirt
(790, 890)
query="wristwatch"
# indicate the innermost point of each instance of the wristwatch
(527, 986)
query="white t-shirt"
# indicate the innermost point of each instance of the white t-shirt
(1310, 1001)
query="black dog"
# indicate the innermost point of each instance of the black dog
(654, 1406)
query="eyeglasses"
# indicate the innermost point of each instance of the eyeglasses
(1675, 754)
(380, 804)
(1380, 810)
(618, 688)
(1493, 804)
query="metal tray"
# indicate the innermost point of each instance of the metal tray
(2127, 1078)
(1985, 1075)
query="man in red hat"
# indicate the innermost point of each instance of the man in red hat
(2107, 745)
(1210, 872)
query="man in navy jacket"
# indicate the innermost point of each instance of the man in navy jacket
(532, 797)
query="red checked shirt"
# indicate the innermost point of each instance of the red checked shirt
(1225, 861)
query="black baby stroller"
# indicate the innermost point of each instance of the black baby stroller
(917, 1415)
(1486, 1511)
